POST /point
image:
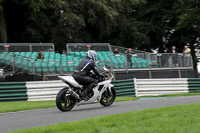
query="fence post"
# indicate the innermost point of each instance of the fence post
(33, 66)
(179, 73)
(135, 84)
(60, 66)
(14, 63)
(150, 74)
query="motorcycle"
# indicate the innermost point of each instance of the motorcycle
(68, 97)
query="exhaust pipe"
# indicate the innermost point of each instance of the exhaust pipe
(74, 94)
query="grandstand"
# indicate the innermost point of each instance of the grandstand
(53, 64)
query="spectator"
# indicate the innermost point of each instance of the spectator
(187, 56)
(116, 51)
(174, 56)
(40, 55)
(129, 53)
(187, 51)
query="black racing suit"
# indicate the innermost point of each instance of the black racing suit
(82, 71)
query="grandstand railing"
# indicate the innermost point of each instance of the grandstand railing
(153, 61)
(54, 64)
(60, 67)
(26, 47)
(79, 47)
(123, 49)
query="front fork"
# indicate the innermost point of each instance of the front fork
(108, 91)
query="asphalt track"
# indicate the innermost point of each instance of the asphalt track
(41, 117)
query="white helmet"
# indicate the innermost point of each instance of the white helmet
(92, 54)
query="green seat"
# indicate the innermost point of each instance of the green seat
(82, 54)
(28, 54)
(30, 66)
(45, 65)
(57, 56)
(3, 56)
(77, 54)
(57, 65)
(25, 64)
(64, 66)
(76, 61)
(70, 65)
(143, 62)
(51, 59)
(138, 63)
(19, 61)
(69, 58)
(17, 53)
(52, 55)
(63, 57)
(38, 65)
(35, 53)
(71, 53)
(23, 53)
(8, 58)
(108, 52)
(51, 66)
(100, 57)
(45, 53)
(120, 62)
(115, 63)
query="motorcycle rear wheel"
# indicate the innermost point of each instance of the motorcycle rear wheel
(64, 101)
(108, 99)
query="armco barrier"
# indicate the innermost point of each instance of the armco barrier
(13, 91)
(47, 90)
(153, 87)
(194, 84)
(124, 87)
(43, 90)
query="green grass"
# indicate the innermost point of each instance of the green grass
(19, 106)
(25, 105)
(120, 99)
(175, 119)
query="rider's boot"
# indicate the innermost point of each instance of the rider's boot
(84, 95)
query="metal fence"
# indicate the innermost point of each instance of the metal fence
(72, 47)
(122, 50)
(39, 67)
(166, 60)
(26, 47)
(119, 62)
(79, 47)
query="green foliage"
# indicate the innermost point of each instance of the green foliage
(142, 24)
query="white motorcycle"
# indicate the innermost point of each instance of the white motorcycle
(104, 92)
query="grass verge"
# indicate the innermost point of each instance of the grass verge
(20, 106)
(175, 119)
(25, 105)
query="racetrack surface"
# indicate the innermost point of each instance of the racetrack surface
(41, 117)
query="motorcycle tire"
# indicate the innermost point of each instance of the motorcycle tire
(107, 100)
(64, 101)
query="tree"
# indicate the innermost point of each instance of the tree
(3, 30)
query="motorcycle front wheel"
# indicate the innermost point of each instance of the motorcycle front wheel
(64, 101)
(108, 97)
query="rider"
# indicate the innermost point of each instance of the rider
(82, 71)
